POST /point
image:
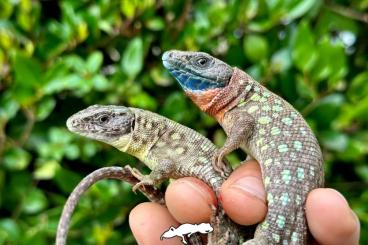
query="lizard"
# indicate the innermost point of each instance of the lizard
(112, 172)
(267, 128)
(169, 149)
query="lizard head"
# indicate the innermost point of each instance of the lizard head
(197, 71)
(110, 124)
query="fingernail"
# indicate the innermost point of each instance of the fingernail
(198, 189)
(250, 185)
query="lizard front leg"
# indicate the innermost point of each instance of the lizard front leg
(161, 171)
(242, 126)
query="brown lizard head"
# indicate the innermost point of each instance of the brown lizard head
(109, 124)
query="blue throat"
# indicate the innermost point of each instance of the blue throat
(194, 83)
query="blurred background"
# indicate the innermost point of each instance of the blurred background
(57, 57)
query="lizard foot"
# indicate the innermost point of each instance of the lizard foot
(143, 182)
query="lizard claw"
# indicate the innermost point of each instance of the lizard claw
(218, 163)
(137, 186)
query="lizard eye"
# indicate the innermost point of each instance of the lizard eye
(202, 61)
(103, 118)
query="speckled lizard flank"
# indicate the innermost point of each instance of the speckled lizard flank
(265, 126)
(169, 149)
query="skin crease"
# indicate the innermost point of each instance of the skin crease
(325, 208)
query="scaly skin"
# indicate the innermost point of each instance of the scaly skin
(267, 128)
(120, 173)
(169, 149)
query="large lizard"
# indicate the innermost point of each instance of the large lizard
(267, 128)
(169, 149)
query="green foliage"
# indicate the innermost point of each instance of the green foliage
(57, 57)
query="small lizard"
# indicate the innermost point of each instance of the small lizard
(121, 173)
(169, 149)
(267, 128)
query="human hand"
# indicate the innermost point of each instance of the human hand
(330, 219)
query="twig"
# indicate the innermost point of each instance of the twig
(348, 12)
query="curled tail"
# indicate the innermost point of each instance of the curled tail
(121, 173)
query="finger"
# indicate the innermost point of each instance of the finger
(243, 196)
(189, 200)
(330, 219)
(149, 221)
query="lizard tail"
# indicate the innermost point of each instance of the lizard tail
(121, 173)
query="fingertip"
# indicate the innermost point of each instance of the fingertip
(189, 200)
(148, 221)
(330, 219)
(243, 196)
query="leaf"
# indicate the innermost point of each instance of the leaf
(300, 9)
(128, 8)
(16, 159)
(44, 108)
(132, 61)
(143, 100)
(46, 170)
(8, 106)
(333, 140)
(27, 71)
(255, 47)
(359, 87)
(155, 24)
(94, 62)
(10, 230)
(281, 60)
(303, 47)
(34, 202)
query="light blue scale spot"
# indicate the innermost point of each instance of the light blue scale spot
(294, 237)
(262, 99)
(311, 170)
(275, 131)
(285, 199)
(293, 155)
(287, 121)
(294, 114)
(270, 198)
(252, 109)
(286, 176)
(277, 108)
(268, 162)
(298, 145)
(281, 221)
(256, 89)
(298, 199)
(265, 225)
(303, 131)
(266, 108)
(264, 120)
(266, 94)
(276, 237)
(248, 87)
(255, 97)
(286, 133)
(300, 173)
(282, 148)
